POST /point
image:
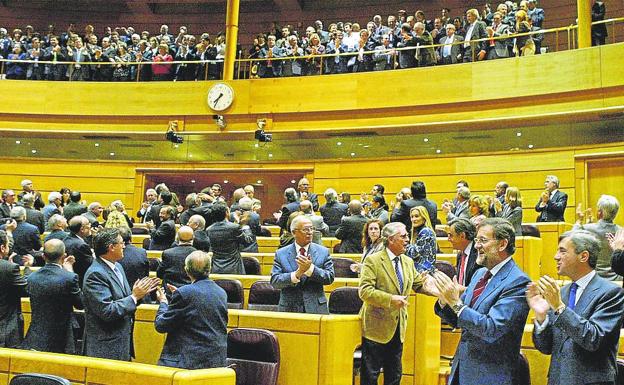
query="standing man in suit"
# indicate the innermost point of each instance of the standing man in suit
(12, 288)
(598, 32)
(451, 53)
(134, 261)
(74, 207)
(171, 270)
(109, 301)
(320, 227)
(474, 30)
(460, 208)
(150, 199)
(461, 234)
(300, 271)
(195, 321)
(350, 229)
(537, 20)
(53, 206)
(290, 206)
(304, 193)
(163, 235)
(385, 283)
(54, 293)
(419, 198)
(201, 241)
(26, 237)
(491, 311)
(552, 203)
(227, 239)
(34, 217)
(578, 325)
(8, 202)
(497, 48)
(27, 187)
(332, 211)
(80, 229)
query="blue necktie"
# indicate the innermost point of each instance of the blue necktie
(398, 272)
(572, 297)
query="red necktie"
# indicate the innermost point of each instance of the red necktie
(302, 252)
(462, 267)
(478, 290)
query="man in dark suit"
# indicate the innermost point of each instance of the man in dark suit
(195, 321)
(407, 57)
(451, 54)
(491, 312)
(80, 229)
(599, 31)
(171, 270)
(163, 235)
(8, 202)
(201, 241)
(419, 198)
(226, 239)
(333, 211)
(578, 325)
(497, 48)
(26, 237)
(301, 270)
(54, 293)
(34, 217)
(552, 203)
(474, 30)
(350, 229)
(304, 193)
(134, 261)
(146, 207)
(109, 301)
(74, 207)
(27, 187)
(153, 215)
(461, 234)
(57, 224)
(12, 288)
(291, 205)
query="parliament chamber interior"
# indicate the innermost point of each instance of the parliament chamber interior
(257, 105)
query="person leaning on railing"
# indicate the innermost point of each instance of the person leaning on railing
(162, 71)
(524, 44)
(16, 70)
(313, 65)
(270, 68)
(337, 64)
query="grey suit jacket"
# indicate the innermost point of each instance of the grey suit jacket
(461, 210)
(499, 49)
(513, 215)
(109, 313)
(320, 228)
(456, 50)
(307, 296)
(603, 265)
(226, 239)
(350, 233)
(583, 342)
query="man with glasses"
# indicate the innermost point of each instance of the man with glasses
(75, 244)
(300, 271)
(491, 312)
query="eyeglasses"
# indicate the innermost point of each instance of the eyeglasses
(307, 230)
(483, 240)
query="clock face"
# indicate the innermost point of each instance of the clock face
(220, 97)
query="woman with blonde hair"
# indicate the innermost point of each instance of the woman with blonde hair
(479, 207)
(512, 209)
(524, 45)
(117, 216)
(423, 247)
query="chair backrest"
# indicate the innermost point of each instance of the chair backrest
(521, 374)
(256, 355)
(146, 243)
(234, 290)
(263, 296)
(446, 268)
(38, 379)
(252, 265)
(139, 230)
(342, 268)
(345, 300)
(441, 233)
(154, 263)
(530, 231)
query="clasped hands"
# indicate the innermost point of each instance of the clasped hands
(446, 289)
(542, 296)
(303, 264)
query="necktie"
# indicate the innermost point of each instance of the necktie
(462, 266)
(302, 252)
(480, 287)
(572, 297)
(398, 272)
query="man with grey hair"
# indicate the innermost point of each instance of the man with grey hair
(150, 199)
(8, 201)
(579, 324)
(53, 207)
(26, 238)
(27, 187)
(300, 270)
(34, 217)
(303, 193)
(320, 227)
(552, 203)
(350, 229)
(607, 209)
(57, 225)
(171, 269)
(250, 192)
(95, 209)
(462, 207)
(290, 206)
(196, 319)
(332, 211)
(201, 241)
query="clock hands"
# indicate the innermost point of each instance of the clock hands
(217, 99)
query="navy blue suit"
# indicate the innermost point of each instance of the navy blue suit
(54, 292)
(77, 247)
(491, 329)
(12, 288)
(584, 341)
(196, 325)
(287, 209)
(26, 239)
(134, 263)
(554, 209)
(307, 296)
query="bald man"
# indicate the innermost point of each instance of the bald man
(350, 229)
(304, 193)
(171, 270)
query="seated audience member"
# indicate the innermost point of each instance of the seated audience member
(14, 287)
(195, 320)
(511, 209)
(26, 238)
(479, 208)
(314, 269)
(171, 269)
(461, 235)
(422, 248)
(579, 324)
(350, 229)
(53, 207)
(109, 301)
(94, 211)
(606, 211)
(226, 239)
(54, 293)
(162, 237)
(552, 203)
(74, 207)
(332, 211)
(57, 225)
(117, 216)
(34, 217)
(134, 261)
(201, 241)
(320, 227)
(75, 245)
(417, 196)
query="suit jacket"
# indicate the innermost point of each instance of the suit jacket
(320, 228)
(554, 209)
(499, 49)
(461, 210)
(275, 70)
(226, 239)
(383, 59)
(287, 209)
(163, 236)
(350, 233)
(38, 201)
(583, 342)
(603, 264)
(456, 50)
(91, 217)
(35, 218)
(407, 58)
(26, 239)
(402, 214)
(332, 214)
(12, 288)
(514, 216)
(134, 263)
(378, 282)
(425, 56)
(82, 252)
(598, 11)
(195, 322)
(306, 296)
(201, 241)
(471, 265)
(478, 32)
(5, 211)
(54, 292)
(56, 234)
(491, 329)
(109, 313)
(73, 209)
(171, 270)
(312, 197)
(48, 211)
